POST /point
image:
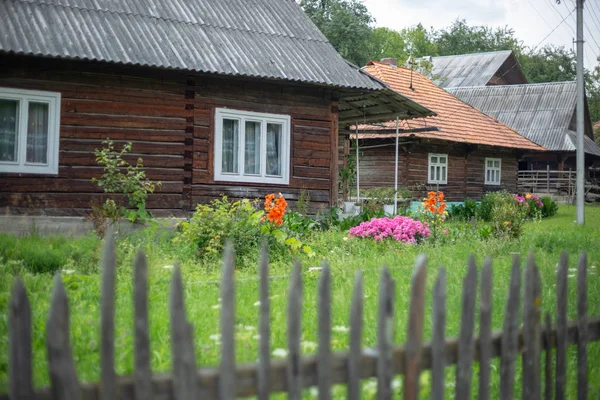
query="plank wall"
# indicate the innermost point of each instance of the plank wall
(168, 117)
(465, 169)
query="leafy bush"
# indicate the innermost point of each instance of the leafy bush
(531, 203)
(122, 178)
(212, 224)
(48, 254)
(464, 212)
(484, 211)
(403, 229)
(508, 218)
(549, 207)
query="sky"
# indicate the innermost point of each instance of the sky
(532, 20)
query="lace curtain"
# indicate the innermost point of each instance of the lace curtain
(37, 133)
(9, 111)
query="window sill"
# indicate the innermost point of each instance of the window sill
(247, 179)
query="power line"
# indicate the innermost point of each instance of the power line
(552, 31)
(590, 47)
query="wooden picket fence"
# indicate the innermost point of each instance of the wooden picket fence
(297, 372)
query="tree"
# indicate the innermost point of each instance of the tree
(387, 43)
(346, 24)
(460, 38)
(419, 41)
(548, 64)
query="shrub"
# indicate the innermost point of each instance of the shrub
(531, 203)
(549, 207)
(507, 219)
(403, 229)
(484, 211)
(123, 178)
(464, 212)
(212, 224)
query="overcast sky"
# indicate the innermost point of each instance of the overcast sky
(532, 20)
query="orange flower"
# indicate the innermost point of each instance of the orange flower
(275, 208)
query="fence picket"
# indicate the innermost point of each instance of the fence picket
(548, 366)
(531, 332)
(143, 373)
(61, 368)
(582, 343)
(414, 342)
(227, 366)
(185, 383)
(294, 372)
(438, 343)
(356, 329)
(264, 368)
(324, 357)
(485, 329)
(510, 332)
(466, 344)
(561, 326)
(19, 343)
(385, 335)
(108, 376)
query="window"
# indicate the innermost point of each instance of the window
(438, 168)
(492, 171)
(251, 147)
(29, 131)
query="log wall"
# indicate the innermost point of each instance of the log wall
(466, 168)
(168, 117)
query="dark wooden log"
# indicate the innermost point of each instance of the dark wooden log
(356, 330)
(485, 329)
(466, 344)
(510, 331)
(143, 373)
(324, 326)
(438, 341)
(582, 325)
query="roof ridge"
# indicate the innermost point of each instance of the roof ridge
(102, 10)
(472, 54)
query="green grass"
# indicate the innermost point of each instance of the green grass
(546, 239)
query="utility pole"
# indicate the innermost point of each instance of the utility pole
(580, 202)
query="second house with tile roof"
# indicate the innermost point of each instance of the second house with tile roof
(460, 151)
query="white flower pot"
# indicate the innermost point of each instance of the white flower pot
(357, 209)
(348, 207)
(388, 209)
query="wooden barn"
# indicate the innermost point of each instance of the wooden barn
(544, 113)
(217, 97)
(477, 69)
(460, 151)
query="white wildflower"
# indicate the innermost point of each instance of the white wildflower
(281, 353)
(249, 328)
(256, 337)
(68, 271)
(257, 303)
(168, 267)
(571, 275)
(216, 337)
(314, 269)
(341, 329)
(216, 306)
(308, 346)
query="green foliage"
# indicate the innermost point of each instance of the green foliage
(484, 212)
(507, 219)
(303, 204)
(462, 38)
(550, 207)
(40, 254)
(123, 178)
(464, 212)
(213, 224)
(346, 24)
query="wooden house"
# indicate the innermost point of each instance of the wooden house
(217, 97)
(460, 151)
(544, 113)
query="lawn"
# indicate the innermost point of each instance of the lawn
(546, 238)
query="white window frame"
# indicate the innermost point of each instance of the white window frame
(23, 96)
(497, 170)
(263, 118)
(444, 179)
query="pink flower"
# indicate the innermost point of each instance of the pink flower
(445, 231)
(402, 229)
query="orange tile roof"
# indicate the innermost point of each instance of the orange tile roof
(457, 121)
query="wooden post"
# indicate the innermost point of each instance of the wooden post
(548, 178)
(19, 344)
(356, 329)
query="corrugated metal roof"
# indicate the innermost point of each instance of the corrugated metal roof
(467, 69)
(258, 38)
(541, 112)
